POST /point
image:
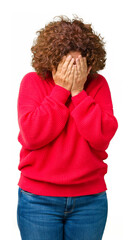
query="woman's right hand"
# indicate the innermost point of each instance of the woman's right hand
(65, 73)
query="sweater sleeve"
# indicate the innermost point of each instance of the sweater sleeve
(94, 117)
(41, 119)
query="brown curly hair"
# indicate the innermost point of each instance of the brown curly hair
(58, 38)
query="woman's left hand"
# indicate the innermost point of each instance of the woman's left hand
(80, 75)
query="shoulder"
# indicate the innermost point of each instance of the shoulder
(30, 84)
(96, 80)
(102, 83)
(97, 83)
(30, 80)
(30, 76)
(34, 78)
(99, 80)
(94, 83)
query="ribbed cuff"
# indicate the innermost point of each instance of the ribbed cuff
(60, 93)
(79, 97)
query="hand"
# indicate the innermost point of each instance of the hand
(80, 75)
(65, 73)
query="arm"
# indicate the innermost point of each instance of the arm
(41, 118)
(94, 117)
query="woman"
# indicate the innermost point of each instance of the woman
(66, 121)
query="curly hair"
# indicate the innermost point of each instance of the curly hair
(58, 38)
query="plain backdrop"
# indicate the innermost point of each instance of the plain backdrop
(114, 20)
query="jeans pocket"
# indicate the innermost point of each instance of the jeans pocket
(27, 193)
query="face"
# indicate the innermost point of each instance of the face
(75, 55)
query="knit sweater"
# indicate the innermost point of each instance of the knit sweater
(64, 138)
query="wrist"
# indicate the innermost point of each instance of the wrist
(73, 93)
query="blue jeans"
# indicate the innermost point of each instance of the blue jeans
(61, 218)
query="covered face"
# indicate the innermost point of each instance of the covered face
(75, 55)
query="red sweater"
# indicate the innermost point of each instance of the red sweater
(64, 138)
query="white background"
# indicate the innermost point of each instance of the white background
(19, 21)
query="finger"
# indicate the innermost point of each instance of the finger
(66, 63)
(61, 62)
(85, 63)
(78, 65)
(59, 68)
(70, 72)
(81, 64)
(63, 59)
(89, 69)
(67, 70)
(75, 71)
(70, 64)
(53, 71)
